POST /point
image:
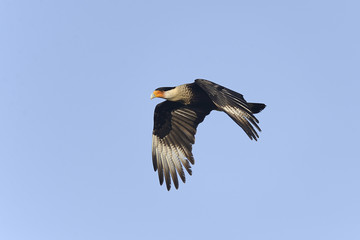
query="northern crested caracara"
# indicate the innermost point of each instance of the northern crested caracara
(176, 120)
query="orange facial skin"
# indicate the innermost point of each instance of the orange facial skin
(157, 94)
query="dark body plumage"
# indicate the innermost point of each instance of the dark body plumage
(176, 120)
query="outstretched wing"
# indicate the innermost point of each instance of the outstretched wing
(173, 135)
(233, 104)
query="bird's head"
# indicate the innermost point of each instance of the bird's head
(161, 92)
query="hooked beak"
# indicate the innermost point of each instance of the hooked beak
(157, 94)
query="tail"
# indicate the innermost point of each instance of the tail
(256, 107)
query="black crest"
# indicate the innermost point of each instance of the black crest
(164, 88)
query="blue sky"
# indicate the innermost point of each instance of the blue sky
(76, 119)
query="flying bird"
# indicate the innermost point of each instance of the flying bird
(176, 120)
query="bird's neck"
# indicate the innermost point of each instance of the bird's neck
(177, 94)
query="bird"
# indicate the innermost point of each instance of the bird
(176, 120)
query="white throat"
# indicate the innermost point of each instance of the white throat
(173, 95)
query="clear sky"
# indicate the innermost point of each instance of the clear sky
(76, 119)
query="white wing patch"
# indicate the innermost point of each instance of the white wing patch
(245, 120)
(172, 152)
(170, 159)
(233, 104)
